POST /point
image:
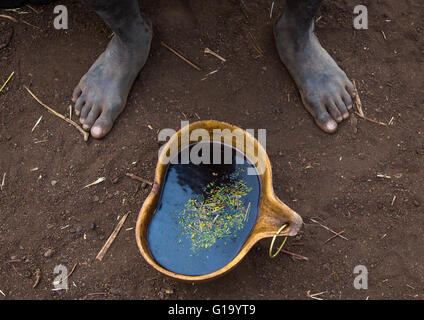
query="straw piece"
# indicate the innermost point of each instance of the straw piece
(83, 132)
(358, 100)
(327, 228)
(36, 124)
(8, 79)
(336, 235)
(209, 51)
(179, 55)
(37, 278)
(2, 182)
(112, 237)
(8, 17)
(101, 179)
(137, 178)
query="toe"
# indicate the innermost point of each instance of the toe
(347, 99)
(335, 112)
(321, 116)
(77, 92)
(85, 111)
(102, 126)
(350, 88)
(326, 123)
(342, 108)
(91, 118)
(79, 104)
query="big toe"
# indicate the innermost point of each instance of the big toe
(102, 126)
(320, 114)
(326, 122)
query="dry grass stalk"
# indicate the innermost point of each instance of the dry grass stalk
(83, 132)
(179, 55)
(112, 237)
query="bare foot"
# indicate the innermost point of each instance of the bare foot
(325, 89)
(102, 92)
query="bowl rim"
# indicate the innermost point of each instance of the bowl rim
(268, 200)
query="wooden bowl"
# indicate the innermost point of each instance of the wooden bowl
(273, 213)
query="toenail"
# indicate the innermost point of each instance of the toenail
(97, 131)
(332, 125)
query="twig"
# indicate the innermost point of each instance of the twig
(371, 120)
(393, 201)
(14, 20)
(336, 235)
(112, 237)
(83, 132)
(8, 79)
(36, 11)
(134, 177)
(358, 100)
(244, 10)
(384, 35)
(8, 17)
(294, 254)
(259, 50)
(3, 181)
(37, 278)
(327, 228)
(2, 293)
(179, 55)
(36, 124)
(101, 179)
(314, 296)
(270, 12)
(29, 24)
(96, 293)
(209, 51)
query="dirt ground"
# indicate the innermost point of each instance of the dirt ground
(367, 179)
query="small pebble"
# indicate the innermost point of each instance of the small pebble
(93, 226)
(416, 203)
(53, 182)
(48, 253)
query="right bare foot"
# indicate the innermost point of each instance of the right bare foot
(102, 92)
(325, 89)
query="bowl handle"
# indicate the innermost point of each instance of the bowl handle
(276, 214)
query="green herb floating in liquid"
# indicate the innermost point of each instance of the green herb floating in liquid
(217, 213)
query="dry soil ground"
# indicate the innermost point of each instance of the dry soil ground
(46, 219)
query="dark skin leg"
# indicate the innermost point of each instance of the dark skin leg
(102, 92)
(325, 89)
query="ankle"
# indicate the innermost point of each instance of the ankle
(297, 29)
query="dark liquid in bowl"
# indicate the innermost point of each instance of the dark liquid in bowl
(205, 212)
